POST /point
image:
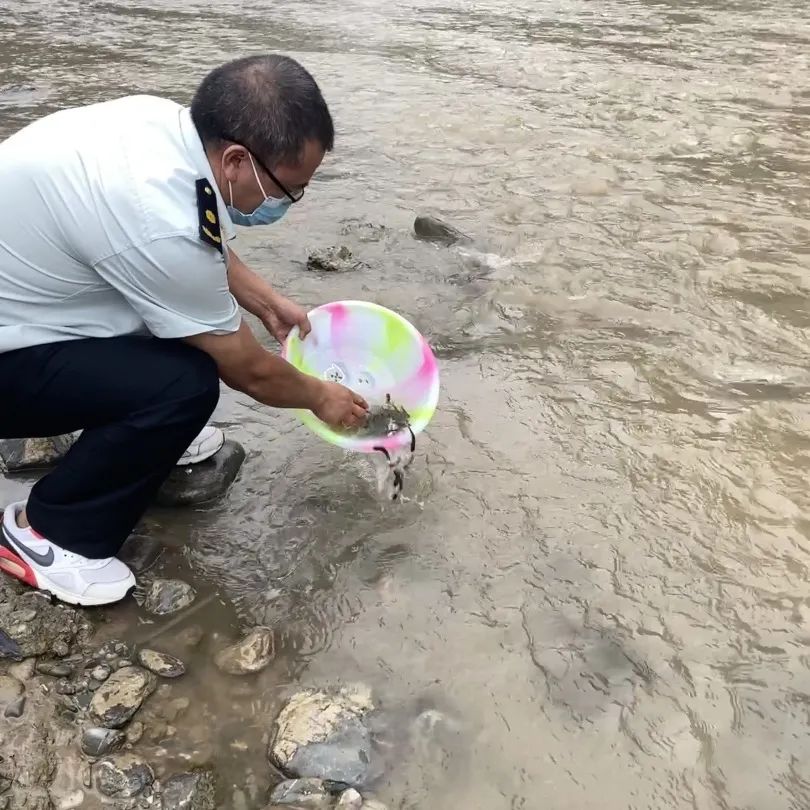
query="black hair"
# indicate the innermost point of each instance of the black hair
(269, 104)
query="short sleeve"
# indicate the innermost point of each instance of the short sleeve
(177, 285)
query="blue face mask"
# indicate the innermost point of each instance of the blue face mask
(268, 212)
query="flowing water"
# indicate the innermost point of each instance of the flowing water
(600, 578)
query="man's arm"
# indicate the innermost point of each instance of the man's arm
(253, 293)
(245, 366)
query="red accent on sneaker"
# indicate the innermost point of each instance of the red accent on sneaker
(17, 567)
(35, 533)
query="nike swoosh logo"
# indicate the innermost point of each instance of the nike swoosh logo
(41, 559)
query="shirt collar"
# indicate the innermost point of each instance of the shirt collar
(198, 157)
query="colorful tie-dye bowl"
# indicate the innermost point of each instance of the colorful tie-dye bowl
(377, 354)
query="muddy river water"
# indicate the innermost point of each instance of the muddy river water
(600, 578)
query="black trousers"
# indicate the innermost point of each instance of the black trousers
(139, 402)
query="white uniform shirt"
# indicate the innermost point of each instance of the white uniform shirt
(100, 231)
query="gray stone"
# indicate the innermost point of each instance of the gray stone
(168, 596)
(29, 454)
(167, 666)
(350, 800)
(252, 654)
(122, 776)
(311, 794)
(337, 259)
(98, 742)
(198, 483)
(432, 229)
(15, 708)
(9, 648)
(117, 700)
(33, 626)
(140, 553)
(190, 791)
(323, 735)
(56, 669)
(100, 673)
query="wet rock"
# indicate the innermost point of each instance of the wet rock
(337, 259)
(134, 731)
(174, 708)
(198, 483)
(56, 669)
(29, 454)
(191, 636)
(432, 229)
(323, 735)
(190, 791)
(252, 654)
(167, 666)
(9, 648)
(100, 673)
(15, 708)
(117, 700)
(32, 625)
(311, 794)
(98, 742)
(168, 596)
(350, 800)
(140, 553)
(122, 776)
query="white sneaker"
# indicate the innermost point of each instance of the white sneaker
(27, 555)
(208, 443)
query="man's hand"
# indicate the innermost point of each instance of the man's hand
(339, 407)
(281, 315)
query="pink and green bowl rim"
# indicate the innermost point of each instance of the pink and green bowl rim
(396, 337)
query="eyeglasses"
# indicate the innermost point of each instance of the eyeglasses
(293, 195)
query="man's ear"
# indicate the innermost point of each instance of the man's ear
(232, 159)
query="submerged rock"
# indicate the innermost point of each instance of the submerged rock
(10, 690)
(168, 596)
(190, 791)
(252, 654)
(30, 454)
(16, 708)
(167, 666)
(140, 553)
(336, 259)
(432, 229)
(98, 742)
(123, 775)
(198, 483)
(323, 735)
(116, 701)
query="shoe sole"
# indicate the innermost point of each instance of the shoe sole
(205, 451)
(15, 566)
